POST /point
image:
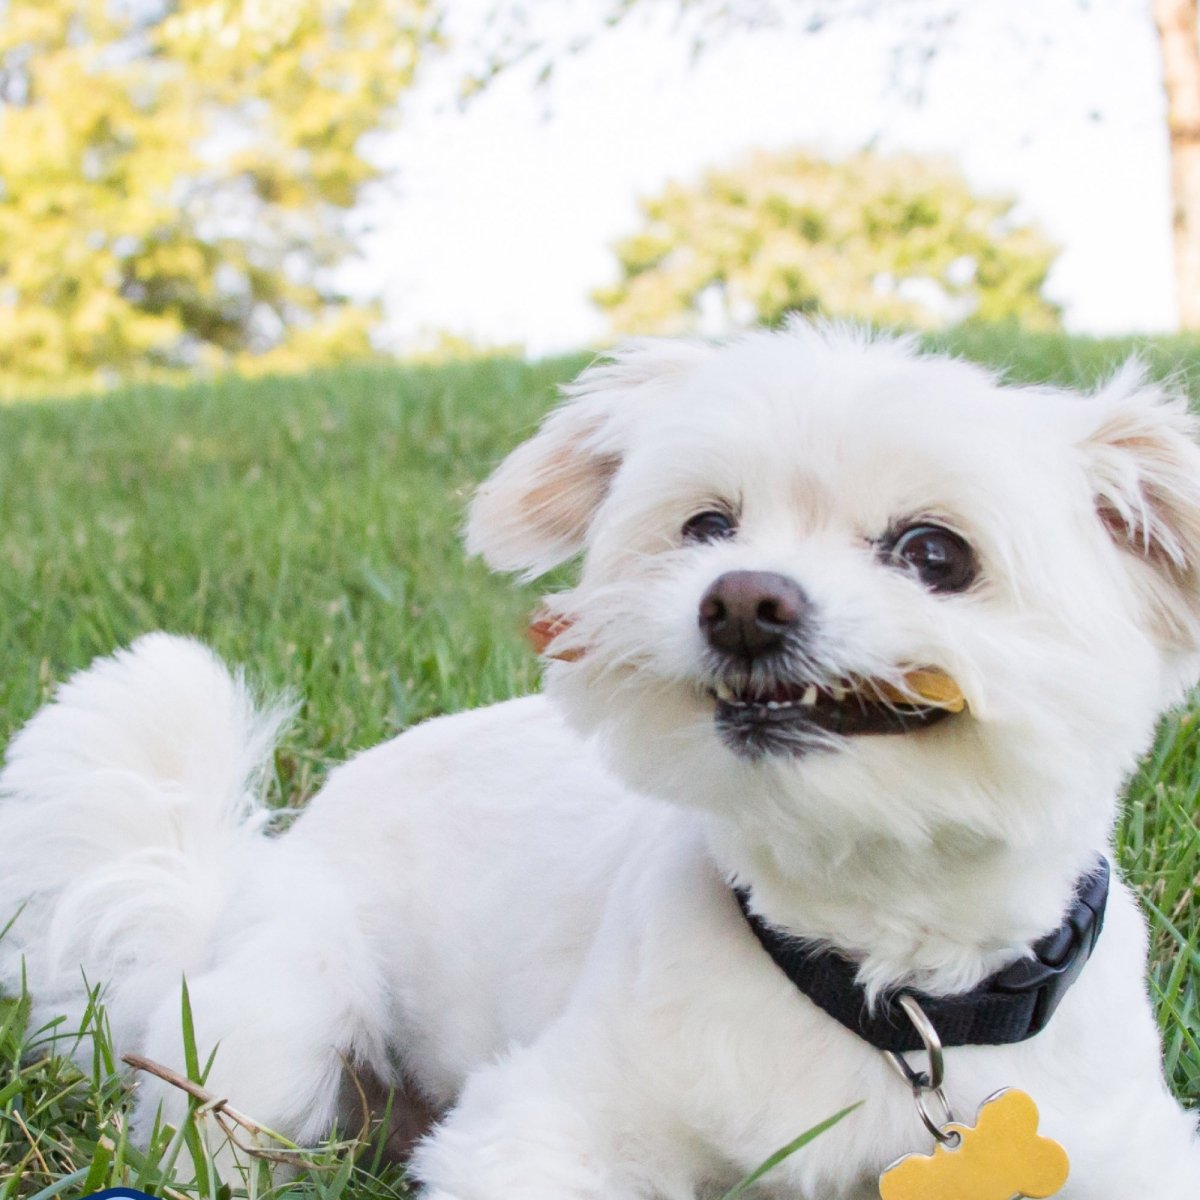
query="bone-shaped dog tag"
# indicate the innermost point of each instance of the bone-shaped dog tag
(1001, 1158)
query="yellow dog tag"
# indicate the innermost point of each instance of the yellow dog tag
(1001, 1158)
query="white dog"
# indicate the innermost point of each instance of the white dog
(803, 552)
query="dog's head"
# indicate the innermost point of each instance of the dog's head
(835, 576)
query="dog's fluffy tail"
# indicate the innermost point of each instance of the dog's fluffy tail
(128, 807)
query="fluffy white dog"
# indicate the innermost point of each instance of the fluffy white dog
(860, 631)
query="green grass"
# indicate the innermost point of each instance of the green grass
(308, 528)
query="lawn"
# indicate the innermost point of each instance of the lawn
(308, 528)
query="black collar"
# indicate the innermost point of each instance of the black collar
(1010, 1006)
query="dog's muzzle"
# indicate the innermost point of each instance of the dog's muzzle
(759, 625)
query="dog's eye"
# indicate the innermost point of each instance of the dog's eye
(940, 559)
(709, 527)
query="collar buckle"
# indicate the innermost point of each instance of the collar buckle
(1059, 956)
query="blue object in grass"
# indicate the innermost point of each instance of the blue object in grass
(124, 1193)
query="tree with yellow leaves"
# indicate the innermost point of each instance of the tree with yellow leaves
(896, 240)
(175, 176)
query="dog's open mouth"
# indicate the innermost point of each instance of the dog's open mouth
(794, 715)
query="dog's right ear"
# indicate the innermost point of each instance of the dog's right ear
(1143, 462)
(535, 510)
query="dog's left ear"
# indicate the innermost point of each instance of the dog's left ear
(535, 510)
(1143, 461)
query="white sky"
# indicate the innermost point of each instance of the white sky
(502, 216)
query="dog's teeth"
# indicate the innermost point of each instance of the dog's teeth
(839, 693)
(810, 696)
(723, 691)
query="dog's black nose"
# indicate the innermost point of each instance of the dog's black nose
(749, 613)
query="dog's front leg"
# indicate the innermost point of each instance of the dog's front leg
(563, 1119)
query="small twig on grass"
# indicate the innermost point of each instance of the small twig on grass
(224, 1113)
(34, 1149)
(210, 1102)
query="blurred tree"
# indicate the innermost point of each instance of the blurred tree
(175, 176)
(894, 239)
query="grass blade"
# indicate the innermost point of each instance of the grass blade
(787, 1151)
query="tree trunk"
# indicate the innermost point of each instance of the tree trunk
(1177, 35)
